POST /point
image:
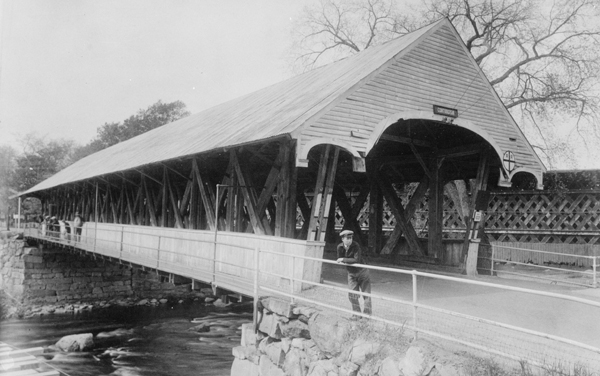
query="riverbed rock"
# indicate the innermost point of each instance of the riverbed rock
(76, 342)
(202, 328)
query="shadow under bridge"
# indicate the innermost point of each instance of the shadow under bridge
(226, 260)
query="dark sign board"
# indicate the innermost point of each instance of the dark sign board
(445, 111)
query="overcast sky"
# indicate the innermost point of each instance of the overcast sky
(69, 66)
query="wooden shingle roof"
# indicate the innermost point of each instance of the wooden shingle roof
(298, 107)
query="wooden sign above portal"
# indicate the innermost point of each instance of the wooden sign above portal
(445, 111)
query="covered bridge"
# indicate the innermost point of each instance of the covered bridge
(279, 161)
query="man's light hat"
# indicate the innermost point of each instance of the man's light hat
(346, 232)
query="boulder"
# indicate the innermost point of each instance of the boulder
(348, 369)
(361, 350)
(76, 342)
(415, 362)
(329, 333)
(202, 328)
(389, 367)
(323, 368)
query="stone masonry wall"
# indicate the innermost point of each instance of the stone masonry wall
(301, 341)
(46, 274)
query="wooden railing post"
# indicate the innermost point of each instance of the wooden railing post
(255, 306)
(158, 254)
(121, 244)
(292, 269)
(492, 267)
(595, 266)
(414, 285)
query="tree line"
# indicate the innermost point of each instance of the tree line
(42, 158)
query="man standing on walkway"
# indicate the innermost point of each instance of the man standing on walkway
(349, 252)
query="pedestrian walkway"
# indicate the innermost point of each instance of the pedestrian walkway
(571, 320)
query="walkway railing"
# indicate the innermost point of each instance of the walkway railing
(253, 266)
(406, 309)
(565, 266)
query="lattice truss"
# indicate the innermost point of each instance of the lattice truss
(541, 217)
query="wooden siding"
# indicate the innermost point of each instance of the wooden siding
(190, 253)
(437, 72)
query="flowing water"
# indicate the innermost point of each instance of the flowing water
(138, 340)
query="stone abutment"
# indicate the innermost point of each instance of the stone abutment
(46, 274)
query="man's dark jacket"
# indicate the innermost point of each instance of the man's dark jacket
(351, 256)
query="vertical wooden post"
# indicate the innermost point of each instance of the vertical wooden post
(292, 177)
(96, 218)
(231, 193)
(318, 195)
(375, 214)
(194, 204)
(436, 207)
(323, 193)
(163, 206)
(471, 244)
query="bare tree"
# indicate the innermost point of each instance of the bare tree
(336, 28)
(541, 57)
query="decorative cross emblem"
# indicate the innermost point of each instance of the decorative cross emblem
(508, 160)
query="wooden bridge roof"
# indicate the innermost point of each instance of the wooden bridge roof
(348, 103)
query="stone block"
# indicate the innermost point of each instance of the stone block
(247, 353)
(267, 368)
(275, 353)
(243, 367)
(38, 293)
(294, 329)
(295, 363)
(97, 290)
(33, 259)
(279, 306)
(34, 251)
(248, 335)
(270, 326)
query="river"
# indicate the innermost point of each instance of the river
(139, 340)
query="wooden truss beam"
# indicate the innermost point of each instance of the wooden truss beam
(402, 219)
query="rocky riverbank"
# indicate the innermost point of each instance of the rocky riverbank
(9, 307)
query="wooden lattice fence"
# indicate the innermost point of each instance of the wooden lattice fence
(571, 217)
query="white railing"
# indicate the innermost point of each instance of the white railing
(411, 313)
(254, 268)
(223, 259)
(563, 267)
